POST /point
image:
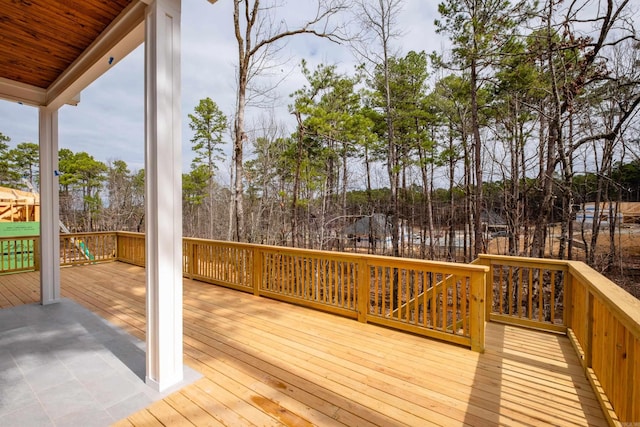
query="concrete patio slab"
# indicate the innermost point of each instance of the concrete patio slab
(61, 364)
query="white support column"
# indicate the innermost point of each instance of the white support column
(163, 213)
(49, 205)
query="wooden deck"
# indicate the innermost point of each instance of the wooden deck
(269, 363)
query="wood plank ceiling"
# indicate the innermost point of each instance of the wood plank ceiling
(40, 39)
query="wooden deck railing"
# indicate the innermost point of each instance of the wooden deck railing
(130, 248)
(441, 300)
(603, 324)
(526, 291)
(19, 254)
(601, 319)
(364, 287)
(87, 248)
(22, 253)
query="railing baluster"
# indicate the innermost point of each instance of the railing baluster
(363, 291)
(376, 283)
(463, 305)
(552, 301)
(388, 290)
(520, 287)
(540, 294)
(425, 286)
(454, 306)
(257, 270)
(416, 291)
(530, 302)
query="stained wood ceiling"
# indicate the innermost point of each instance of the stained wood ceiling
(39, 39)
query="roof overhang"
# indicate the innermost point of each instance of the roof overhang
(121, 36)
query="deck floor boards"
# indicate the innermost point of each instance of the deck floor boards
(268, 363)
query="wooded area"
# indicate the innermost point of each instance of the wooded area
(519, 139)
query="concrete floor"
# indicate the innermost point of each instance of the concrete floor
(61, 365)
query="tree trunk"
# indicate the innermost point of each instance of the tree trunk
(238, 198)
(567, 194)
(451, 226)
(554, 135)
(467, 201)
(295, 240)
(477, 146)
(344, 198)
(373, 234)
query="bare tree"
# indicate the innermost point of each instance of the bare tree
(265, 186)
(259, 35)
(378, 22)
(570, 77)
(618, 100)
(478, 31)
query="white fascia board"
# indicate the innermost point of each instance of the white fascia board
(119, 39)
(21, 92)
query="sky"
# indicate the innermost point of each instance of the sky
(108, 123)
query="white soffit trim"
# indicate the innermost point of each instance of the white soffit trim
(21, 92)
(121, 37)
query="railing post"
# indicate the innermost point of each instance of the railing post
(477, 310)
(588, 345)
(567, 304)
(256, 271)
(486, 261)
(141, 253)
(115, 250)
(119, 245)
(362, 292)
(191, 258)
(36, 253)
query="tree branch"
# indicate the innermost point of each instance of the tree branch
(615, 131)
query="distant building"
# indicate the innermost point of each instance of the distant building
(19, 206)
(19, 216)
(371, 227)
(626, 213)
(492, 222)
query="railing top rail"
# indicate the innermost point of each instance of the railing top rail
(423, 262)
(409, 262)
(557, 264)
(88, 233)
(619, 301)
(130, 233)
(20, 237)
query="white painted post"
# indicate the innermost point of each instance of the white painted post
(163, 213)
(49, 205)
